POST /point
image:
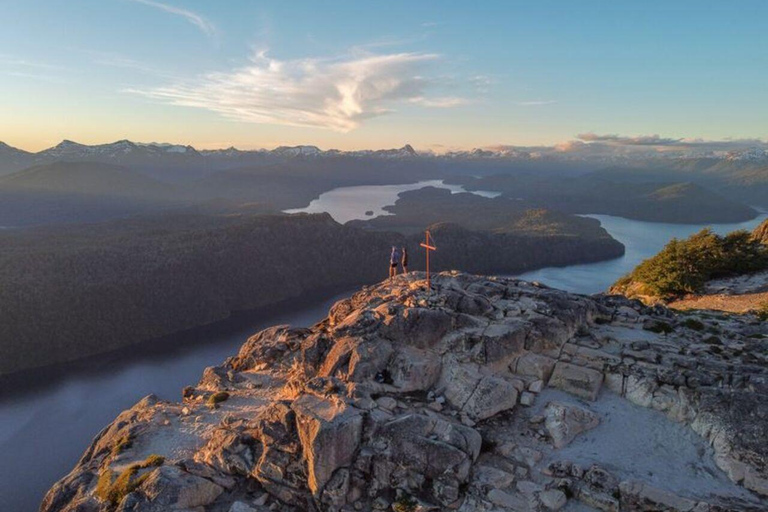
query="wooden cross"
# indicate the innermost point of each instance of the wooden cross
(428, 244)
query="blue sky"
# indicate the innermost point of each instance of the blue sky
(360, 74)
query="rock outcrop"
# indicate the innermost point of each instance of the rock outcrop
(761, 232)
(405, 399)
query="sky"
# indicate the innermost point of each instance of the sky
(360, 74)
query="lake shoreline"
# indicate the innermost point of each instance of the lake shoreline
(30, 380)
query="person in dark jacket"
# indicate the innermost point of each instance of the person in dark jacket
(394, 260)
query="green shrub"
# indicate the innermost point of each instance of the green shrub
(104, 484)
(124, 484)
(683, 266)
(712, 340)
(694, 324)
(125, 442)
(762, 312)
(404, 504)
(113, 490)
(153, 460)
(217, 398)
(660, 328)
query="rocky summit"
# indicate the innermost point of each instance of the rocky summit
(483, 394)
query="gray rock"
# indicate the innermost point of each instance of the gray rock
(577, 380)
(330, 433)
(564, 422)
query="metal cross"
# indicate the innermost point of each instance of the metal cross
(428, 244)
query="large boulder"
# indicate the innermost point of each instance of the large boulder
(330, 433)
(171, 488)
(577, 380)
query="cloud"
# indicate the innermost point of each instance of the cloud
(640, 140)
(205, 26)
(536, 103)
(440, 102)
(36, 76)
(337, 94)
(120, 61)
(23, 68)
(654, 146)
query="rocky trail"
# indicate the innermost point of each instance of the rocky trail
(487, 394)
(738, 294)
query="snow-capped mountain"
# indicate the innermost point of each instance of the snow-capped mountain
(70, 150)
(748, 155)
(186, 161)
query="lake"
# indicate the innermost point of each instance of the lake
(641, 239)
(351, 203)
(48, 417)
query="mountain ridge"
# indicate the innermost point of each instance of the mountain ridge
(459, 397)
(69, 147)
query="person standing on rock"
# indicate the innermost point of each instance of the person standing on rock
(404, 261)
(394, 261)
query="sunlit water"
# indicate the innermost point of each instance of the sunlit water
(350, 203)
(49, 417)
(641, 239)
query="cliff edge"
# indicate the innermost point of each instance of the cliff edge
(485, 394)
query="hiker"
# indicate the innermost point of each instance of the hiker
(404, 261)
(394, 261)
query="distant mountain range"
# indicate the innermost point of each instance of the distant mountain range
(172, 156)
(74, 182)
(127, 152)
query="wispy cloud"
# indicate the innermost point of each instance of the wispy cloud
(337, 94)
(536, 103)
(440, 101)
(120, 61)
(648, 145)
(35, 70)
(195, 19)
(639, 140)
(36, 76)
(11, 61)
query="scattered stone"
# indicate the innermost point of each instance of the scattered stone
(564, 422)
(553, 499)
(527, 398)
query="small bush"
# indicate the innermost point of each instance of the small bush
(694, 324)
(217, 398)
(660, 328)
(762, 312)
(404, 504)
(153, 460)
(104, 484)
(713, 340)
(125, 442)
(113, 490)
